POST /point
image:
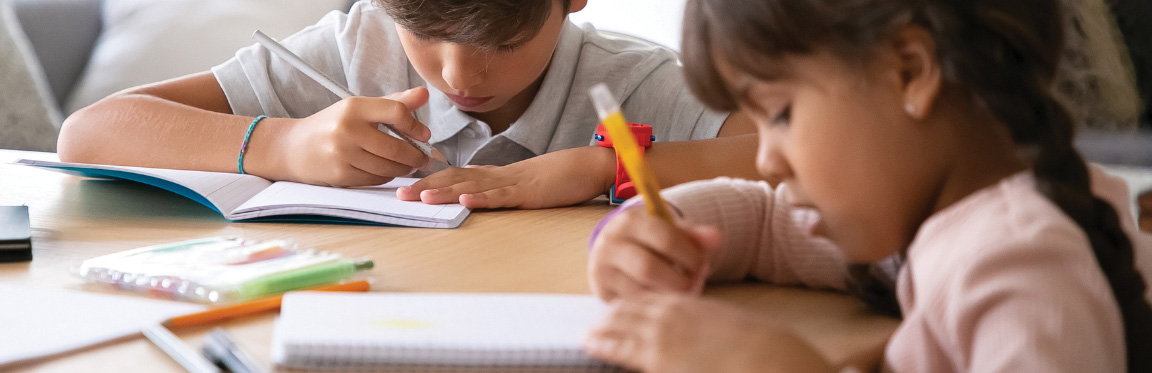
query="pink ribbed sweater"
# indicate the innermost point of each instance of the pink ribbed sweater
(1000, 281)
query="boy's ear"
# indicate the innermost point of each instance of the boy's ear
(919, 70)
(577, 5)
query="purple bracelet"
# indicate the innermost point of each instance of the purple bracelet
(604, 222)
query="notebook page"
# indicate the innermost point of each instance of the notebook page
(294, 198)
(38, 322)
(457, 329)
(219, 190)
(337, 216)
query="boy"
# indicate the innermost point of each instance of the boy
(507, 82)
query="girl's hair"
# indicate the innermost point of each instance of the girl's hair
(1003, 54)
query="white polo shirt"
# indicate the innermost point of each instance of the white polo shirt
(362, 50)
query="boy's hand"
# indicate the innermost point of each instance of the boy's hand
(341, 145)
(638, 253)
(555, 179)
(676, 333)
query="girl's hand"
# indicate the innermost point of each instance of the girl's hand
(676, 333)
(637, 252)
(555, 179)
(342, 146)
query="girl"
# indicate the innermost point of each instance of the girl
(922, 131)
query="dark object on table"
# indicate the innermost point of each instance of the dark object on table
(15, 234)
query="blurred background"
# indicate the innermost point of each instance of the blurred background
(57, 56)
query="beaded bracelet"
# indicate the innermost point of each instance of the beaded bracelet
(244, 146)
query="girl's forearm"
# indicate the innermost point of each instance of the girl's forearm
(680, 162)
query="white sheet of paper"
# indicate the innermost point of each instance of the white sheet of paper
(37, 322)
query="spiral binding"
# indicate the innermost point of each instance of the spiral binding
(395, 358)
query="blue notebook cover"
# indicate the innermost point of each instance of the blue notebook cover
(250, 198)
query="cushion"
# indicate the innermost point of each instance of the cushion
(62, 33)
(25, 120)
(146, 41)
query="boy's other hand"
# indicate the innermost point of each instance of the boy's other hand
(637, 253)
(554, 179)
(676, 333)
(342, 145)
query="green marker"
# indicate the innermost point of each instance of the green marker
(316, 274)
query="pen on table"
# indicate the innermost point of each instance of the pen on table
(339, 90)
(174, 347)
(629, 151)
(252, 307)
(221, 350)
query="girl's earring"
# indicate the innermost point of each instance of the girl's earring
(910, 108)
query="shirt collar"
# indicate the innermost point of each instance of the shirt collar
(446, 120)
(535, 128)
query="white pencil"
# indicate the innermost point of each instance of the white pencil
(174, 347)
(340, 91)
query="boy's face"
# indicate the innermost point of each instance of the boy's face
(842, 141)
(479, 80)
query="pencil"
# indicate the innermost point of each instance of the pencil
(629, 152)
(251, 307)
(188, 358)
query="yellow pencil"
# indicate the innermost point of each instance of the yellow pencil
(629, 151)
(251, 307)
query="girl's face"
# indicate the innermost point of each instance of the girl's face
(841, 137)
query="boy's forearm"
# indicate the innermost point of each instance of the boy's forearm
(147, 131)
(679, 162)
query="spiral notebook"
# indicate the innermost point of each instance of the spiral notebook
(378, 331)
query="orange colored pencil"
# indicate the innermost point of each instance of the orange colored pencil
(251, 307)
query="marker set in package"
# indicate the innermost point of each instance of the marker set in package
(219, 269)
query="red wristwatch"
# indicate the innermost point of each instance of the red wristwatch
(623, 189)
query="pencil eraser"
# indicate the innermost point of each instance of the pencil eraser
(15, 234)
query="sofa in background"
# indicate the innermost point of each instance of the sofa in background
(79, 51)
(88, 49)
(62, 34)
(26, 121)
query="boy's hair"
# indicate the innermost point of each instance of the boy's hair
(1003, 54)
(485, 23)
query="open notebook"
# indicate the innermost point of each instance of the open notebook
(382, 330)
(251, 198)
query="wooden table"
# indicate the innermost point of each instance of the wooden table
(542, 251)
